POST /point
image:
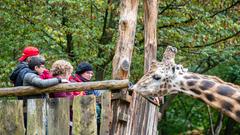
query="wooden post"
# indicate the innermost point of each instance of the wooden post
(127, 27)
(84, 115)
(150, 33)
(122, 61)
(143, 114)
(150, 49)
(106, 113)
(58, 110)
(11, 117)
(36, 116)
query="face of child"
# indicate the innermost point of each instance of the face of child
(40, 69)
(87, 75)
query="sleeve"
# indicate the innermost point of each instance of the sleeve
(35, 80)
(97, 93)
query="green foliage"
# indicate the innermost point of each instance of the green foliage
(206, 34)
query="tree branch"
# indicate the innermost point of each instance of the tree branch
(223, 10)
(218, 41)
(218, 125)
(210, 120)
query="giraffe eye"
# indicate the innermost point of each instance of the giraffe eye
(156, 77)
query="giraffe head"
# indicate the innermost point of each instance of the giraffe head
(159, 80)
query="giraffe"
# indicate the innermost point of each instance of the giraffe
(166, 77)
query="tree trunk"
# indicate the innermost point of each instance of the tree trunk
(150, 32)
(127, 26)
(69, 48)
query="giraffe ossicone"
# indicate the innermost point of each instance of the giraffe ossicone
(166, 77)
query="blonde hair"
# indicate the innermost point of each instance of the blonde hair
(61, 67)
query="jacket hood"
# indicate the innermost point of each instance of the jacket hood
(16, 71)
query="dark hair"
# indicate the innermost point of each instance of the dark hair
(83, 67)
(35, 61)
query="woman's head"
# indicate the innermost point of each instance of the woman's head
(62, 68)
(85, 70)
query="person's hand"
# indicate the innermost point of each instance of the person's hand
(65, 81)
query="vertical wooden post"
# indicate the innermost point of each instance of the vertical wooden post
(106, 113)
(58, 110)
(84, 115)
(150, 49)
(11, 117)
(36, 116)
(150, 32)
(122, 60)
(127, 27)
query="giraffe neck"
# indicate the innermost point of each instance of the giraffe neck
(213, 91)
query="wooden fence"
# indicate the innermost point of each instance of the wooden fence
(51, 116)
(121, 114)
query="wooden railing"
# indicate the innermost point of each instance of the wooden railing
(51, 116)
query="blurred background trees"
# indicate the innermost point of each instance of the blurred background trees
(206, 33)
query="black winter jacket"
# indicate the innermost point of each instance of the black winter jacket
(18, 74)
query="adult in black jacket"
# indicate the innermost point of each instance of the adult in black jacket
(22, 68)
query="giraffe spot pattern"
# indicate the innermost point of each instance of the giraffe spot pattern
(227, 106)
(192, 77)
(238, 113)
(181, 83)
(210, 97)
(187, 77)
(196, 91)
(191, 83)
(238, 99)
(195, 77)
(182, 88)
(205, 85)
(225, 90)
(169, 86)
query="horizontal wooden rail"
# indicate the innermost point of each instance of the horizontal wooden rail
(97, 85)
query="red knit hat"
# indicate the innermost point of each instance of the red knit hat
(29, 51)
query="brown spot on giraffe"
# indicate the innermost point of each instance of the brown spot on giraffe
(195, 77)
(169, 86)
(191, 83)
(187, 77)
(227, 106)
(181, 83)
(225, 90)
(238, 99)
(196, 91)
(238, 113)
(210, 97)
(191, 77)
(205, 85)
